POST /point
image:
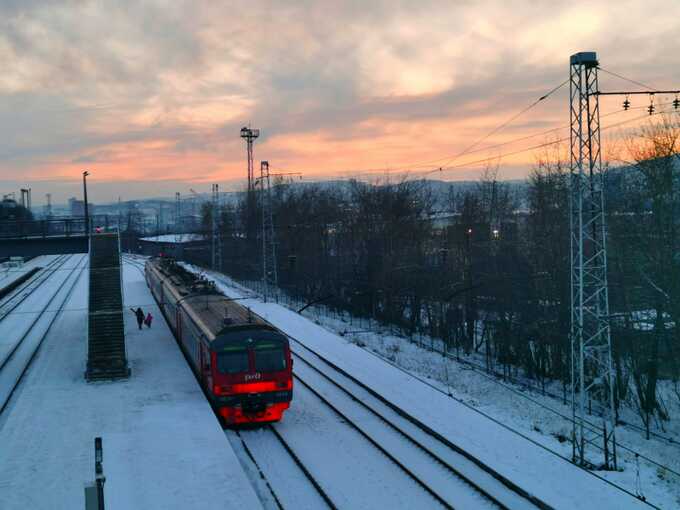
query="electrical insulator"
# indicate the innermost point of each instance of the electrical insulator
(626, 104)
(651, 107)
(676, 103)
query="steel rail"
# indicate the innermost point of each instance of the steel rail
(457, 449)
(303, 468)
(259, 470)
(31, 285)
(6, 359)
(378, 446)
(453, 470)
(69, 293)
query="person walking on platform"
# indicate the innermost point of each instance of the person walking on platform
(148, 320)
(140, 316)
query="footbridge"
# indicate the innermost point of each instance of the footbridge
(48, 237)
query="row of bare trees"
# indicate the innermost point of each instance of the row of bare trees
(485, 270)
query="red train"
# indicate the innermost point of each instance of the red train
(244, 364)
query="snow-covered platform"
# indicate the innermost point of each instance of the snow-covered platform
(163, 446)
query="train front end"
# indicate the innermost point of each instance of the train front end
(252, 375)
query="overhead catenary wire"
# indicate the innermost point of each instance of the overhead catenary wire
(534, 147)
(471, 147)
(431, 169)
(629, 80)
(509, 121)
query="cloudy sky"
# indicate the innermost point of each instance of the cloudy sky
(149, 96)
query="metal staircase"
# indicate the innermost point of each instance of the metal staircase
(106, 357)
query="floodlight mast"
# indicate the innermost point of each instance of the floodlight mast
(592, 377)
(249, 135)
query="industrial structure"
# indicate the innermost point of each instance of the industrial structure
(269, 272)
(216, 233)
(592, 375)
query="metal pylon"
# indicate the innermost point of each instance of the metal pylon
(178, 212)
(592, 378)
(216, 234)
(269, 272)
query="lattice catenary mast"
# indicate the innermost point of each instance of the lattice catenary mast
(269, 271)
(216, 234)
(591, 362)
(178, 212)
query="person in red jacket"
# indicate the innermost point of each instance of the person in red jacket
(148, 320)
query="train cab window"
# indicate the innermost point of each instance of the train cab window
(232, 361)
(269, 358)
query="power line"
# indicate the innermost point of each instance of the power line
(469, 149)
(634, 82)
(534, 147)
(511, 119)
(432, 170)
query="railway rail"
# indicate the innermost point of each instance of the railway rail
(16, 362)
(314, 497)
(442, 464)
(448, 474)
(20, 294)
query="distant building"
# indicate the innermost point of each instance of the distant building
(77, 207)
(11, 210)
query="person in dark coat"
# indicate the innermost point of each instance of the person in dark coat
(140, 316)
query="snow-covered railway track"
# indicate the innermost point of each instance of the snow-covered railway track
(24, 291)
(287, 479)
(19, 352)
(456, 479)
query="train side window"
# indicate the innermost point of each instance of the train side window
(269, 359)
(232, 361)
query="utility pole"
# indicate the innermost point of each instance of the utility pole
(269, 272)
(87, 215)
(216, 237)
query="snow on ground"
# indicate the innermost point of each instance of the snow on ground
(9, 272)
(536, 469)
(163, 446)
(20, 319)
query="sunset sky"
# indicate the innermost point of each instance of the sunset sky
(149, 96)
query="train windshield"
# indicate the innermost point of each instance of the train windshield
(269, 357)
(232, 361)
